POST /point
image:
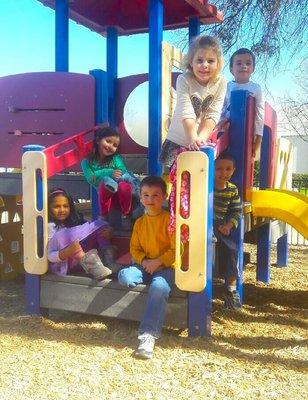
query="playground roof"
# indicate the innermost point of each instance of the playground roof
(131, 16)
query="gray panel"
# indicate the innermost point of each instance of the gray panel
(75, 185)
(106, 298)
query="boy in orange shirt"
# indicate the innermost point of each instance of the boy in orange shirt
(153, 250)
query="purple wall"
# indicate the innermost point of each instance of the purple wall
(72, 94)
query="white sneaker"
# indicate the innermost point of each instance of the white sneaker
(146, 346)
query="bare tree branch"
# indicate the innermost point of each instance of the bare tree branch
(269, 27)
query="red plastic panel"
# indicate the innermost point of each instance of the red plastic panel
(42, 108)
(132, 16)
(70, 151)
(220, 137)
(270, 120)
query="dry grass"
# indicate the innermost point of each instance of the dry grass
(260, 353)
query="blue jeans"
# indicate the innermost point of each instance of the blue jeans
(160, 283)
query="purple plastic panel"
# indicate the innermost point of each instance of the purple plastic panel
(42, 108)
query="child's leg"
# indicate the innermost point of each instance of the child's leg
(132, 276)
(227, 257)
(228, 253)
(155, 309)
(101, 241)
(104, 199)
(125, 191)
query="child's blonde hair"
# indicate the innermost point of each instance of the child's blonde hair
(204, 42)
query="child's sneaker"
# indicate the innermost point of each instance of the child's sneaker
(232, 300)
(146, 346)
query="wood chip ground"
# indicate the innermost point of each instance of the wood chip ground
(259, 353)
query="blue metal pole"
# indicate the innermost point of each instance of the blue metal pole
(200, 304)
(101, 95)
(193, 27)
(282, 251)
(155, 83)
(32, 281)
(263, 253)
(237, 142)
(61, 36)
(112, 72)
(264, 241)
(101, 115)
(238, 237)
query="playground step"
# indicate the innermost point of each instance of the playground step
(106, 298)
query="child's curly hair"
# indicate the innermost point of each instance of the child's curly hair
(204, 42)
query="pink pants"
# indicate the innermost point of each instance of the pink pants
(121, 199)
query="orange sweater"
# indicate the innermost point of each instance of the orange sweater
(150, 239)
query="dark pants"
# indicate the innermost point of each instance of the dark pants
(227, 254)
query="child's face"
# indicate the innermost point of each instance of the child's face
(59, 208)
(152, 197)
(204, 65)
(108, 145)
(224, 169)
(242, 68)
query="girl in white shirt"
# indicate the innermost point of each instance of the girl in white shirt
(200, 95)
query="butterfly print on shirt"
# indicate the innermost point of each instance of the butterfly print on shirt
(201, 106)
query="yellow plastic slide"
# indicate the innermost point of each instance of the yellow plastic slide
(287, 206)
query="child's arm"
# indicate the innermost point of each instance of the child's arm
(226, 228)
(117, 170)
(95, 177)
(70, 250)
(212, 115)
(205, 128)
(190, 128)
(256, 145)
(259, 121)
(88, 172)
(259, 118)
(164, 260)
(55, 255)
(136, 251)
(234, 210)
(185, 109)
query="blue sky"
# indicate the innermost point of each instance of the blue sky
(27, 45)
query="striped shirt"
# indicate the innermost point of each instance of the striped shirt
(227, 205)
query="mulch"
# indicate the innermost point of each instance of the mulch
(258, 353)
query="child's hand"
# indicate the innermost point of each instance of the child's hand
(151, 265)
(117, 174)
(196, 144)
(105, 233)
(74, 249)
(225, 229)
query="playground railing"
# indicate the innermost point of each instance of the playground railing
(67, 153)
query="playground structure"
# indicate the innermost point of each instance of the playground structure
(51, 155)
